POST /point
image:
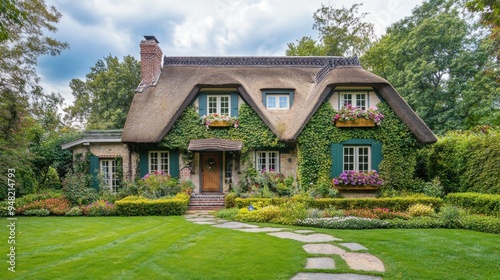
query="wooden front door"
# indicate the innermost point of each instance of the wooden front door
(210, 172)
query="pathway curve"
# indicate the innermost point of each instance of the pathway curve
(318, 245)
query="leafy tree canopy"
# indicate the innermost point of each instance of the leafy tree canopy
(342, 32)
(103, 99)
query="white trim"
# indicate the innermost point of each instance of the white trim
(267, 160)
(219, 103)
(356, 156)
(278, 96)
(159, 163)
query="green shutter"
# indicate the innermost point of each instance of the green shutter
(143, 163)
(264, 98)
(234, 104)
(292, 93)
(376, 154)
(94, 172)
(336, 159)
(174, 163)
(202, 104)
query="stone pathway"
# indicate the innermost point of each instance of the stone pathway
(316, 246)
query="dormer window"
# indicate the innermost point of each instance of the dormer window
(355, 99)
(219, 104)
(277, 99)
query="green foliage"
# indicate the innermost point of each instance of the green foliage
(37, 212)
(342, 32)
(393, 203)
(314, 148)
(450, 215)
(157, 185)
(418, 210)
(149, 207)
(76, 188)
(376, 213)
(480, 223)
(251, 130)
(449, 78)
(229, 200)
(73, 212)
(227, 213)
(487, 204)
(99, 208)
(103, 99)
(343, 223)
(287, 213)
(466, 161)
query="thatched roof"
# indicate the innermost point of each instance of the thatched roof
(215, 144)
(154, 111)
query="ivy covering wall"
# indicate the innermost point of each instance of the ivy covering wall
(314, 148)
(251, 130)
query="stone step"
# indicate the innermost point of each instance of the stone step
(204, 208)
(208, 202)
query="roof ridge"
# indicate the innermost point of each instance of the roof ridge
(309, 61)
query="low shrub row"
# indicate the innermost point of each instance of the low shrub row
(55, 206)
(392, 203)
(148, 207)
(487, 204)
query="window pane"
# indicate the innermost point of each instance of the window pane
(361, 100)
(224, 105)
(212, 104)
(272, 162)
(164, 161)
(283, 102)
(271, 102)
(114, 176)
(348, 158)
(261, 161)
(363, 159)
(346, 99)
(153, 162)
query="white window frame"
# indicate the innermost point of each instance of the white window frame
(278, 106)
(355, 98)
(160, 166)
(108, 169)
(266, 157)
(356, 157)
(218, 109)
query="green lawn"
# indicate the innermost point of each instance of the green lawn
(172, 248)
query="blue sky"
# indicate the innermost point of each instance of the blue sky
(96, 28)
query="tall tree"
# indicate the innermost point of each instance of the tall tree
(436, 60)
(103, 99)
(490, 16)
(342, 32)
(19, 82)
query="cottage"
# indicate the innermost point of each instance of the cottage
(207, 118)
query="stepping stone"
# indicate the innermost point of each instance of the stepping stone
(320, 263)
(235, 225)
(264, 229)
(363, 261)
(221, 221)
(323, 249)
(329, 276)
(204, 223)
(202, 220)
(354, 246)
(311, 238)
(304, 231)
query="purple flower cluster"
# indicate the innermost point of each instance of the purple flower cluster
(350, 113)
(157, 173)
(356, 178)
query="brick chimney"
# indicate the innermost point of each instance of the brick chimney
(151, 56)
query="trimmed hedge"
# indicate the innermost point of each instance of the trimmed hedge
(487, 204)
(393, 203)
(149, 207)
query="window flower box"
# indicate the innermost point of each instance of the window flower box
(219, 120)
(358, 180)
(351, 116)
(361, 122)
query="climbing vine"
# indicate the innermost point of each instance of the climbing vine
(314, 148)
(252, 131)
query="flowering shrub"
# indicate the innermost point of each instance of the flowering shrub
(37, 212)
(349, 222)
(73, 212)
(99, 208)
(421, 210)
(207, 120)
(157, 184)
(56, 206)
(356, 178)
(377, 213)
(351, 113)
